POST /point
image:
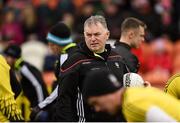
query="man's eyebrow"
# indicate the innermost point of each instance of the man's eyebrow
(93, 33)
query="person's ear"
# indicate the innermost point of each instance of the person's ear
(108, 34)
(131, 34)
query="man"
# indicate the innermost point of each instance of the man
(15, 85)
(132, 34)
(8, 107)
(91, 55)
(104, 92)
(31, 79)
(172, 86)
(61, 43)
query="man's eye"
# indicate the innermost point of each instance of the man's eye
(97, 34)
(89, 35)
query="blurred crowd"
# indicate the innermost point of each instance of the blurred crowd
(26, 23)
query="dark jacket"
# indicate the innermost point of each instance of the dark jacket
(32, 83)
(70, 105)
(15, 84)
(129, 58)
(64, 54)
(48, 103)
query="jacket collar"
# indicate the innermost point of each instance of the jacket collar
(19, 63)
(83, 48)
(67, 47)
(118, 43)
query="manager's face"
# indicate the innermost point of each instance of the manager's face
(96, 36)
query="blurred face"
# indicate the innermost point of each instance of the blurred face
(9, 17)
(54, 48)
(106, 103)
(137, 37)
(10, 60)
(95, 37)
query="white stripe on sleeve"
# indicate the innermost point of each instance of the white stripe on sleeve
(50, 98)
(27, 73)
(155, 114)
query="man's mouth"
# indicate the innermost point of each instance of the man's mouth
(94, 44)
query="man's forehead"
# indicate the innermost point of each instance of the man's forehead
(94, 25)
(93, 29)
(93, 32)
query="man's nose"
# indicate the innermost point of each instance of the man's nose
(93, 37)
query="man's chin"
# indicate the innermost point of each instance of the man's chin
(94, 50)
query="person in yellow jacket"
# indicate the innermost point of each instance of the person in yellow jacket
(8, 107)
(105, 93)
(173, 86)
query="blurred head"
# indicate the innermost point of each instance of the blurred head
(56, 49)
(133, 31)
(102, 91)
(58, 37)
(12, 53)
(106, 103)
(111, 9)
(9, 16)
(96, 33)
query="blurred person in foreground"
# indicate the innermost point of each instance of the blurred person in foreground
(132, 35)
(61, 43)
(105, 93)
(92, 54)
(9, 110)
(173, 86)
(31, 80)
(15, 85)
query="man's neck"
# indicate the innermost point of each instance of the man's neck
(101, 51)
(124, 40)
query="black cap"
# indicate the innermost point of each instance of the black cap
(59, 34)
(13, 51)
(100, 82)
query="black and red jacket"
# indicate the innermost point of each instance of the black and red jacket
(130, 59)
(70, 105)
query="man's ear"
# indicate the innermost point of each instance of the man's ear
(131, 34)
(108, 34)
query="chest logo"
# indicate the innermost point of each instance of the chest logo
(95, 68)
(117, 65)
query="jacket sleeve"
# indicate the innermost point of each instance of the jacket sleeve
(65, 107)
(33, 85)
(16, 87)
(52, 97)
(151, 115)
(172, 86)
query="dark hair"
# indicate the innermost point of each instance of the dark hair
(131, 23)
(60, 30)
(13, 51)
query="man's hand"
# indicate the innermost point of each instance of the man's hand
(34, 113)
(147, 84)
